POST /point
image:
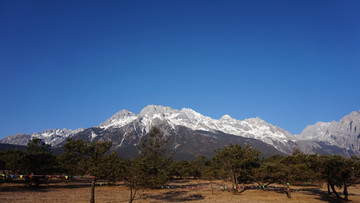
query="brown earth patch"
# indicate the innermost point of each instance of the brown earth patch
(176, 191)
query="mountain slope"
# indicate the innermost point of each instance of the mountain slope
(343, 134)
(53, 137)
(184, 142)
(250, 128)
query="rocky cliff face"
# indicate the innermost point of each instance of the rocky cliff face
(343, 134)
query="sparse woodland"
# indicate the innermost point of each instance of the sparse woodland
(154, 166)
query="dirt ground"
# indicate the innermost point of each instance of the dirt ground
(179, 191)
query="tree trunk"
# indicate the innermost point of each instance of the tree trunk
(233, 179)
(333, 189)
(346, 193)
(236, 184)
(92, 200)
(132, 194)
(234, 187)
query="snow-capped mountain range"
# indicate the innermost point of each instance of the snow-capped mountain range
(251, 128)
(52, 137)
(127, 128)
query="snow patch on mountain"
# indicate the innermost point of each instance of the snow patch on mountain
(49, 136)
(153, 115)
(333, 136)
(119, 120)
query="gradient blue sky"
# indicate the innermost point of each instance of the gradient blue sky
(72, 64)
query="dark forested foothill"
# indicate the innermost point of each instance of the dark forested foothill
(154, 166)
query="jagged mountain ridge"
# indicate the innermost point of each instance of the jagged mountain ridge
(251, 128)
(126, 129)
(50, 136)
(343, 134)
(184, 142)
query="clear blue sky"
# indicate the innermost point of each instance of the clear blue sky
(72, 64)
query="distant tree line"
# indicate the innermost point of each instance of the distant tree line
(154, 165)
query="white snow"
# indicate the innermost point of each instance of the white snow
(152, 115)
(118, 123)
(252, 127)
(93, 135)
(54, 136)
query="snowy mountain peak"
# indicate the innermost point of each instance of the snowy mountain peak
(193, 116)
(189, 111)
(154, 115)
(152, 110)
(119, 119)
(255, 120)
(226, 117)
(123, 114)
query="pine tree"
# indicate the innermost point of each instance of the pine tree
(238, 162)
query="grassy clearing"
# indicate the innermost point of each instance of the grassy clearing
(80, 192)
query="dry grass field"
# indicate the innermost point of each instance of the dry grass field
(80, 191)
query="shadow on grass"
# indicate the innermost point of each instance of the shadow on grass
(323, 195)
(177, 196)
(320, 194)
(45, 187)
(185, 186)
